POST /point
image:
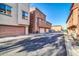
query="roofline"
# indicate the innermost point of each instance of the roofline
(70, 12)
(39, 11)
(49, 22)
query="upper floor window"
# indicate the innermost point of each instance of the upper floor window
(24, 15)
(5, 9)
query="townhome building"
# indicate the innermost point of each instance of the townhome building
(73, 19)
(14, 19)
(56, 28)
(38, 23)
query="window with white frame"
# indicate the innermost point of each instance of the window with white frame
(5, 9)
(24, 15)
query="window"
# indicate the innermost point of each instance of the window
(24, 15)
(5, 9)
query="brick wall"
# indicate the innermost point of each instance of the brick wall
(11, 30)
(36, 14)
(32, 22)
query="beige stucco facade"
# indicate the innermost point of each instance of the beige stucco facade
(56, 28)
(15, 20)
(16, 15)
(23, 7)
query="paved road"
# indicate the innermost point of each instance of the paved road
(39, 45)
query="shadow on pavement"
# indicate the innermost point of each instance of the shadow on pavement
(31, 45)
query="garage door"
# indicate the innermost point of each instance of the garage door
(11, 30)
(42, 30)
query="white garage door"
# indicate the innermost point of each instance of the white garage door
(42, 30)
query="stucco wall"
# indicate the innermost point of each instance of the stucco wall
(56, 28)
(75, 16)
(7, 20)
(23, 7)
(14, 24)
(16, 14)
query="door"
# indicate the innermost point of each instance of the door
(42, 30)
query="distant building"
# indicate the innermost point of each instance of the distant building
(56, 28)
(14, 19)
(73, 19)
(38, 23)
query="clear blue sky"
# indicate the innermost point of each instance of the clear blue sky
(57, 13)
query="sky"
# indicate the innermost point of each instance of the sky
(56, 13)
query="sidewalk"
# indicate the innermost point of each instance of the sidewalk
(17, 37)
(71, 50)
(14, 38)
(21, 37)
